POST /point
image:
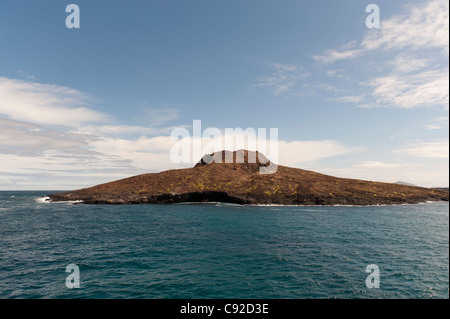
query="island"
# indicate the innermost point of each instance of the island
(243, 181)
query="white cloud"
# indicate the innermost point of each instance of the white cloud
(65, 160)
(330, 56)
(155, 152)
(49, 137)
(160, 116)
(442, 119)
(377, 165)
(56, 170)
(405, 63)
(298, 153)
(417, 173)
(45, 103)
(144, 153)
(433, 149)
(432, 127)
(337, 73)
(424, 89)
(25, 138)
(349, 99)
(26, 75)
(438, 123)
(6, 181)
(424, 26)
(34, 156)
(412, 47)
(107, 130)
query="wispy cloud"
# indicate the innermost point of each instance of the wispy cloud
(349, 99)
(416, 172)
(160, 116)
(330, 56)
(411, 68)
(438, 123)
(377, 165)
(442, 119)
(26, 75)
(423, 26)
(45, 104)
(431, 149)
(424, 89)
(433, 127)
(405, 63)
(22, 138)
(117, 130)
(299, 153)
(283, 78)
(49, 134)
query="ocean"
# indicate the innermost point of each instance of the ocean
(221, 251)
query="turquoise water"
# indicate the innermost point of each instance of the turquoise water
(221, 251)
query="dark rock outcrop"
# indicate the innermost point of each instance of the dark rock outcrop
(240, 156)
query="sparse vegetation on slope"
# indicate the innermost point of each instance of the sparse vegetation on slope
(242, 183)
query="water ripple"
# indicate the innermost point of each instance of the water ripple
(221, 251)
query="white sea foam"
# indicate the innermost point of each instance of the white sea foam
(41, 200)
(46, 200)
(276, 205)
(69, 202)
(72, 202)
(208, 203)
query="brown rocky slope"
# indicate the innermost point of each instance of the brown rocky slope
(242, 183)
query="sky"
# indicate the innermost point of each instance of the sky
(88, 105)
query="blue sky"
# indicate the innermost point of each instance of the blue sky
(89, 105)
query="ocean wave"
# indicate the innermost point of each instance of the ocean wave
(209, 203)
(73, 202)
(69, 202)
(47, 200)
(42, 200)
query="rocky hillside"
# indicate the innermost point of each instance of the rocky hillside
(241, 182)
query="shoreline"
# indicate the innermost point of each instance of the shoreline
(47, 200)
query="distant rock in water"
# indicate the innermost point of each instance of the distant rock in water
(240, 177)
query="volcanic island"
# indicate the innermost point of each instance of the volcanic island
(244, 181)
